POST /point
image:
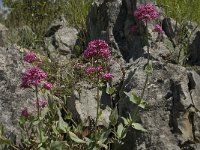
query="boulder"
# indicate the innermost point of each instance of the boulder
(60, 38)
(12, 97)
(172, 118)
(172, 97)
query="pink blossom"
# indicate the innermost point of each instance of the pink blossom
(25, 112)
(48, 85)
(107, 76)
(134, 28)
(97, 48)
(32, 76)
(158, 28)
(41, 103)
(30, 57)
(146, 12)
(99, 69)
(90, 70)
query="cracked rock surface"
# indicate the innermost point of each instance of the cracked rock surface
(12, 97)
(173, 91)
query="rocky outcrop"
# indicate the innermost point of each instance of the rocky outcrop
(83, 102)
(12, 97)
(60, 38)
(194, 50)
(112, 21)
(172, 117)
(172, 97)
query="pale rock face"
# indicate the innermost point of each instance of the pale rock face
(12, 97)
(173, 116)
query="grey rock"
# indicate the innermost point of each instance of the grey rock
(169, 119)
(60, 38)
(12, 97)
(83, 105)
(172, 120)
(194, 50)
(112, 20)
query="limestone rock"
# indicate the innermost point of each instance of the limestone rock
(170, 116)
(60, 39)
(12, 97)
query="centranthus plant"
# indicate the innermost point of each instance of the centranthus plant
(146, 13)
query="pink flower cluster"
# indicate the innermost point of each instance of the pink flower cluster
(48, 86)
(30, 57)
(99, 51)
(41, 103)
(158, 28)
(146, 12)
(107, 76)
(25, 113)
(32, 77)
(97, 48)
(92, 70)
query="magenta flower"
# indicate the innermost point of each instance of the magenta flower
(90, 70)
(107, 76)
(99, 69)
(97, 48)
(32, 77)
(48, 86)
(25, 112)
(146, 12)
(158, 28)
(134, 29)
(30, 57)
(41, 103)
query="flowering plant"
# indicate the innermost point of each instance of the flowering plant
(146, 12)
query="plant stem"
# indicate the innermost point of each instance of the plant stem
(145, 85)
(148, 59)
(37, 101)
(98, 104)
(38, 109)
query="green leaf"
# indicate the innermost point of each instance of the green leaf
(56, 145)
(44, 112)
(126, 122)
(149, 68)
(143, 104)
(136, 99)
(21, 121)
(4, 140)
(62, 125)
(75, 138)
(114, 117)
(110, 90)
(1, 129)
(104, 136)
(120, 129)
(139, 127)
(133, 97)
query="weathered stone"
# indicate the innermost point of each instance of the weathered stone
(194, 50)
(60, 39)
(83, 105)
(12, 97)
(172, 90)
(112, 20)
(170, 115)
